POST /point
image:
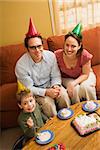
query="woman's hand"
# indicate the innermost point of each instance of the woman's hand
(30, 122)
(70, 89)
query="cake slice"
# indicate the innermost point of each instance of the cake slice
(65, 112)
(44, 136)
(90, 105)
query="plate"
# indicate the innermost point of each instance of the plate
(86, 109)
(68, 113)
(44, 137)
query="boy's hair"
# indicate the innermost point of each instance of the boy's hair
(22, 94)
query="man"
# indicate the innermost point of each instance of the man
(38, 71)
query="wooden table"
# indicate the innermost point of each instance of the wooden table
(65, 133)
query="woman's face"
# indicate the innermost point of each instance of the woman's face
(71, 46)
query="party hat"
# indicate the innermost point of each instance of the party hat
(77, 30)
(21, 88)
(32, 30)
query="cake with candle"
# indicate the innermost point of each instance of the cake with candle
(86, 123)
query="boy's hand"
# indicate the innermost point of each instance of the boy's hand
(30, 122)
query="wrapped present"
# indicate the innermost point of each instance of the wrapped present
(59, 146)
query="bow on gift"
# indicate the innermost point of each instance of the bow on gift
(57, 147)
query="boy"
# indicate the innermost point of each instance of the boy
(30, 118)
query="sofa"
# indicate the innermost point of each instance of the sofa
(8, 83)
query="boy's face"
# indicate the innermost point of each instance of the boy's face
(28, 103)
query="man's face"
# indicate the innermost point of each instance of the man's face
(35, 48)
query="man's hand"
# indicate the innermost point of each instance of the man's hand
(59, 88)
(30, 122)
(53, 92)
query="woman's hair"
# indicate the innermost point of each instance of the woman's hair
(27, 39)
(21, 95)
(79, 40)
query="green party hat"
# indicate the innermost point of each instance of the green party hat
(77, 30)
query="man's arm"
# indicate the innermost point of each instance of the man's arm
(24, 77)
(55, 74)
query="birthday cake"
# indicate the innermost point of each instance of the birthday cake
(90, 105)
(87, 123)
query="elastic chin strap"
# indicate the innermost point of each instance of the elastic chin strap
(64, 52)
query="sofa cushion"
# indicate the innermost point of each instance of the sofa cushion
(96, 70)
(8, 97)
(91, 41)
(55, 42)
(8, 119)
(45, 44)
(8, 57)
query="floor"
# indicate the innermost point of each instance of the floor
(8, 138)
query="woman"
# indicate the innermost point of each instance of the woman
(75, 66)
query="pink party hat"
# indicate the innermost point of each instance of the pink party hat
(32, 30)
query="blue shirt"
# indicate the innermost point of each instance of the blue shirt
(38, 76)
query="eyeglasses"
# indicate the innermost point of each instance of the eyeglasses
(35, 47)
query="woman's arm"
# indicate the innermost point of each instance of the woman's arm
(85, 73)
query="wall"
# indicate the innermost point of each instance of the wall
(14, 19)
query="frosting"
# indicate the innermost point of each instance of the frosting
(90, 105)
(44, 136)
(87, 123)
(65, 112)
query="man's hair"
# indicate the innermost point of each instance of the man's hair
(79, 40)
(27, 39)
(21, 95)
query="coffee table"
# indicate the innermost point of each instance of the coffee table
(66, 134)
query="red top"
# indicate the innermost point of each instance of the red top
(77, 70)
